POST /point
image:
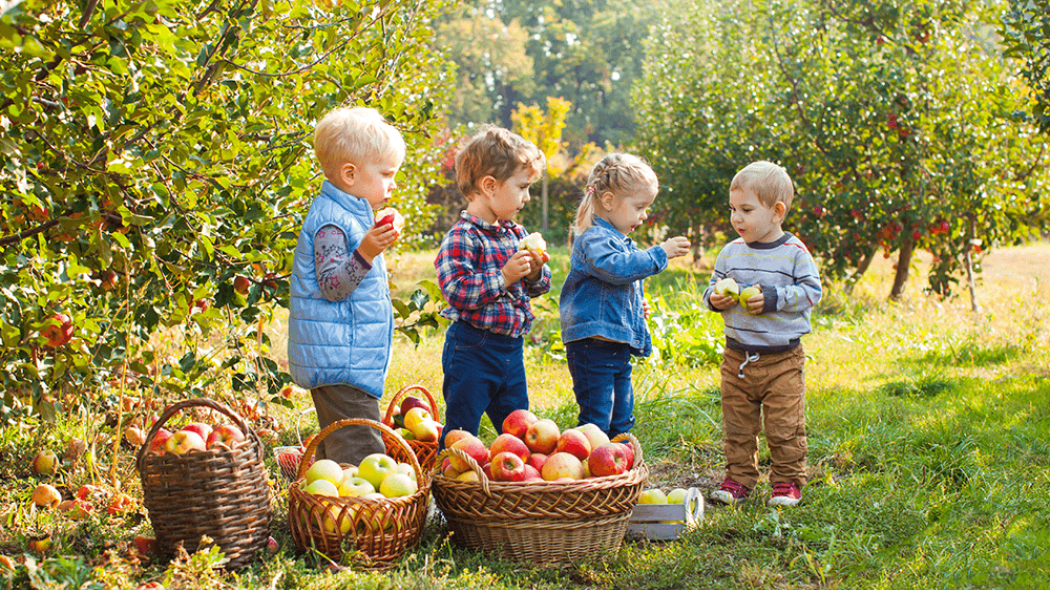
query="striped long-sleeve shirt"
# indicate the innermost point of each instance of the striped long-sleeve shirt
(790, 283)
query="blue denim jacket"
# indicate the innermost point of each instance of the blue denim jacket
(603, 294)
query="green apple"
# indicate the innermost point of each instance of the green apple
(728, 288)
(398, 484)
(325, 469)
(748, 293)
(322, 487)
(653, 496)
(355, 486)
(375, 467)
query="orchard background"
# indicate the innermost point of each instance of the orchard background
(155, 164)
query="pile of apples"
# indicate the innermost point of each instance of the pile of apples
(378, 477)
(413, 421)
(197, 436)
(535, 450)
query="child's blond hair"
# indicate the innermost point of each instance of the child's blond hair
(496, 152)
(357, 135)
(619, 174)
(770, 183)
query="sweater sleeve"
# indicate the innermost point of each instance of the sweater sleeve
(807, 290)
(339, 272)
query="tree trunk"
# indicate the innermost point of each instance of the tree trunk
(903, 265)
(698, 243)
(971, 282)
(543, 194)
(861, 269)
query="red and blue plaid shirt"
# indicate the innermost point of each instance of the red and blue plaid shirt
(468, 270)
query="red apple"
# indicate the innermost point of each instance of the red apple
(134, 435)
(91, 493)
(562, 465)
(45, 463)
(518, 422)
(455, 435)
(536, 460)
(487, 470)
(76, 509)
(183, 442)
(574, 442)
(391, 216)
(241, 284)
(411, 401)
(628, 453)
(607, 459)
(542, 436)
(507, 466)
(59, 330)
(203, 430)
(594, 435)
(120, 503)
(146, 546)
(474, 448)
(287, 392)
(532, 474)
(507, 442)
(160, 441)
(271, 546)
(225, 434)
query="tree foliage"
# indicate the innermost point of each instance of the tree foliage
(1026, 37)
(896, 120)
(151, 152)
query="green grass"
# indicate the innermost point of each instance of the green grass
(929, 452)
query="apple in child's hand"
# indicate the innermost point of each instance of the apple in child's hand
(518, 422)
(392, 217)
(747, 294)
(224, 434)
(535, 243)
(507, 466)
(727, 287)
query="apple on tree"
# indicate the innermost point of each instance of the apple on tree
(59, 330)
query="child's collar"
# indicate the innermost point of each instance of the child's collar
(344, 199)
(500, 223)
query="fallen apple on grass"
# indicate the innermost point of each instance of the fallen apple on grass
(45, 463)
(46, 496)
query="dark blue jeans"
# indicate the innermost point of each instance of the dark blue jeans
(601, 379)
(484, 374)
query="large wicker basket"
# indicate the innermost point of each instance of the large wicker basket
(545, 523)
(426, 452)
(377, 531)
(221, 493)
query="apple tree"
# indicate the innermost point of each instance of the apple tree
(871, 107)
(156, 164)
(1025, 35)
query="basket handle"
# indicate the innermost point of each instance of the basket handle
(312, 447)
(639, 459)
(694, 516)
(175, 408)
(298, 423)
(394, 402)
(482, 478)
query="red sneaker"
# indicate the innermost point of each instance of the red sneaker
(730, 492)
(785, 493)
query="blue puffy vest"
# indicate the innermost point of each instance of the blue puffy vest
(339, 342)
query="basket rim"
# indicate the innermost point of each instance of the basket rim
(250, 436)
(422, 480)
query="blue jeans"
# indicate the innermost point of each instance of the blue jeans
(601, 379)
(484, 374)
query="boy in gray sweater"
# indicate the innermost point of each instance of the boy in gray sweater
(762, 367)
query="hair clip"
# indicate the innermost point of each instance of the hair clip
(590, 191)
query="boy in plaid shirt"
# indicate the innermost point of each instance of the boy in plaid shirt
(488, 282)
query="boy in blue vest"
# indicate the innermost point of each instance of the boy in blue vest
(488, 279)
(341, 322)
(762, 366)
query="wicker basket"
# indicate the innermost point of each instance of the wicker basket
(221, 493)
(547, 523)
(426, 452)
(377, 531)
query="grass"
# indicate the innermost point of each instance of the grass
(929, 450)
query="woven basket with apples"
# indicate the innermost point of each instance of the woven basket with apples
(289, 456)
(370, 513)
(537, 494)
(206, 480)
(419, 428)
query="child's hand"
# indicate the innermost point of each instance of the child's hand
(676, 247)
(517, 267)
(377, 240)
(721, 302)
(755, 303)
(536, 263)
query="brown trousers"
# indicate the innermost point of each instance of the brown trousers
(347, 444)
(772, 390)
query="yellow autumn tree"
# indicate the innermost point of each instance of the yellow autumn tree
(544, 130)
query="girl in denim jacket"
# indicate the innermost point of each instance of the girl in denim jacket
(602, 304)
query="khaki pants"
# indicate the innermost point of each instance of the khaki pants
(347, 444)
(772, 390)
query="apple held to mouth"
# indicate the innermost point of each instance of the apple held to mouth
(727, 287)
(535, 243)
(391, 216)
